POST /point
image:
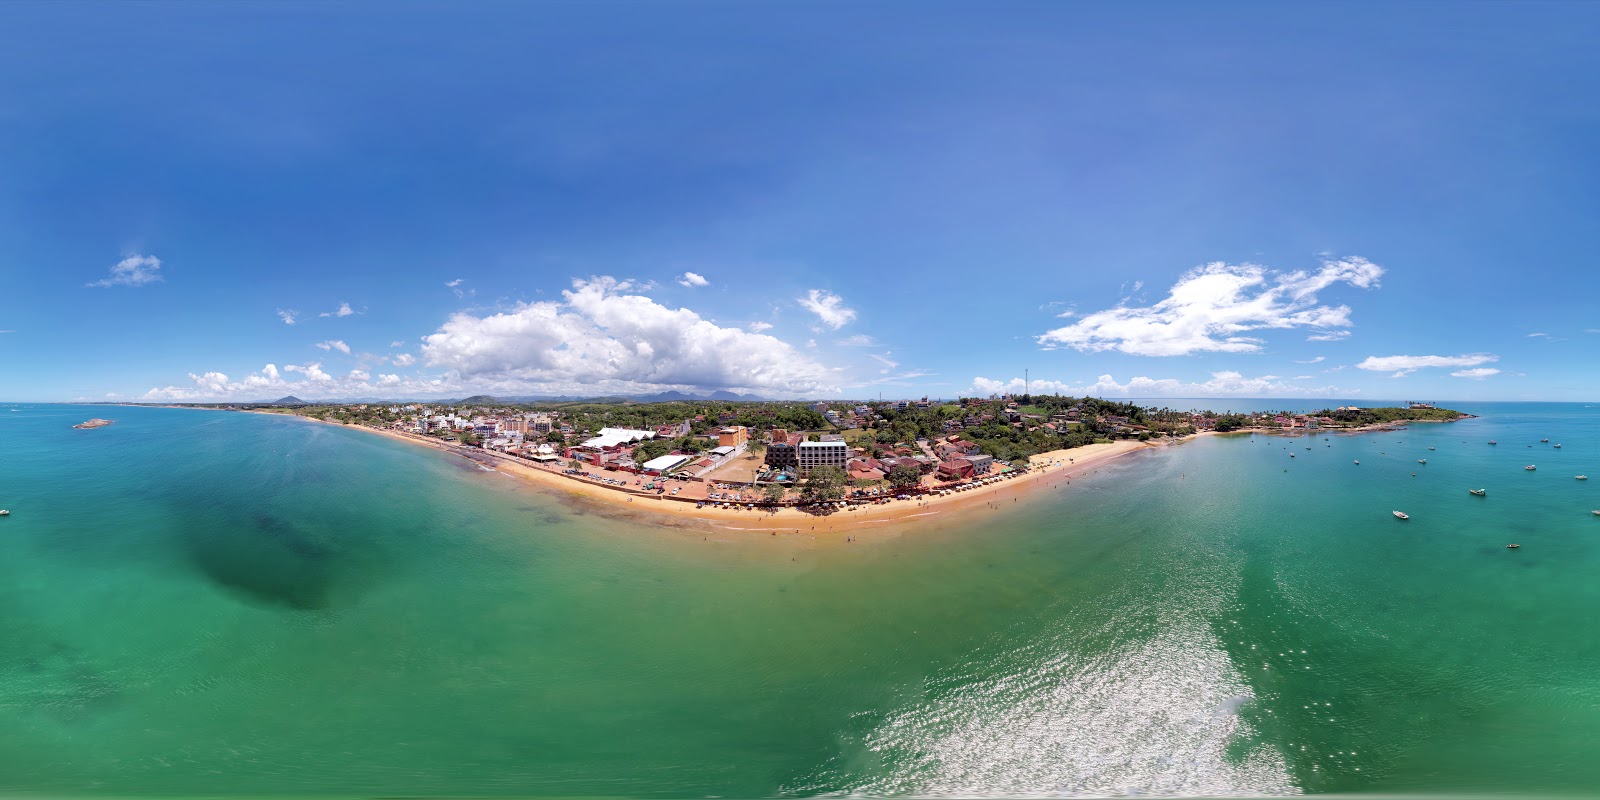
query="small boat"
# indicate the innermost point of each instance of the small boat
(1512, 546)
(1581, 477)
(1596, 512)
(1557, 446)
(1543, 440)
(1358, 463)
(4, 513)
(1401, 515)
(1422, 461)
(1433, 448)
(1478, 492)
(1530, 468)
(1491, 441)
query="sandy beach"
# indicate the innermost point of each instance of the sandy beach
(1050, 469)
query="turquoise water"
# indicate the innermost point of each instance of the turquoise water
(218, 603)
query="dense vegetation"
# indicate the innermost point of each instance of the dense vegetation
(1378, 416)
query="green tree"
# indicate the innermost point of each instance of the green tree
(555, 437)
(823, 483)
(774, 493)
(904, 476)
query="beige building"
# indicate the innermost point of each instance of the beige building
(733, 436)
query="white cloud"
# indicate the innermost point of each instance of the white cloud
(312, 371)
(828, 307)
(342, 311)
(858, 340)
(691, 279)
(1222, 384)
(1210, 307)
(1405, 365)
(135, 270)
(334, 344)
(1475, 374)
(287, 315)
(404, 360)
(453, 284)
(811, 343)
(1591, 330)
(598, 338)
(1532, 335)
(397, 343)
(1317, 360)
(1328, 336)
(884, 360)
(270, 383)
(758, 327)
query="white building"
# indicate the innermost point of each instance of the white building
(660, 465)
(811, 455)
(615, 437)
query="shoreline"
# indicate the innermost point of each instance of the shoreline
(1054, 468)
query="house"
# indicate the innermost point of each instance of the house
(952, 469)
(863, 469)
(981, 463)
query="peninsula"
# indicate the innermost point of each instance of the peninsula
(794, 464)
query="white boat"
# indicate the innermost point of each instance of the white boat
(1530, 468)
(1582, 477)
(1433, 448)
(1401, 515)
(4, 513)
(1358, 463)
(1491, 441)
(1478, 492)
(1557, 446)
(1544, 440)
(1422, 461)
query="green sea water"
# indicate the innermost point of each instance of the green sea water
(213, 603)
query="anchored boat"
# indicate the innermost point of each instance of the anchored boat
(1401, 515)
(1530, 468)
(1478, 492)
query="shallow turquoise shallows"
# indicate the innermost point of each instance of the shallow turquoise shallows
(197, 602)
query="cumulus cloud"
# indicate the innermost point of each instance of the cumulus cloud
(691, 279)
(343, 310)
(302, 380)
(1211, 307)
(828, 307)
(600, 338)
(1405, 365)
(287, 315)
(1477, 374)
(455, 288)
(404, 360)
(334, 344)
(135, 270)
(759, 327)
(1221, 384)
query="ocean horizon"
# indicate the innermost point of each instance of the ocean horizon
(206, 602)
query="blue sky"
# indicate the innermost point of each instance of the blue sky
(1228, 200)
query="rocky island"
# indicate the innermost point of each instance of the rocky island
(94, 423)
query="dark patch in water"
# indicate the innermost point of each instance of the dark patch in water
(271, 563)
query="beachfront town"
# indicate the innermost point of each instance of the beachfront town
(773, 454)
